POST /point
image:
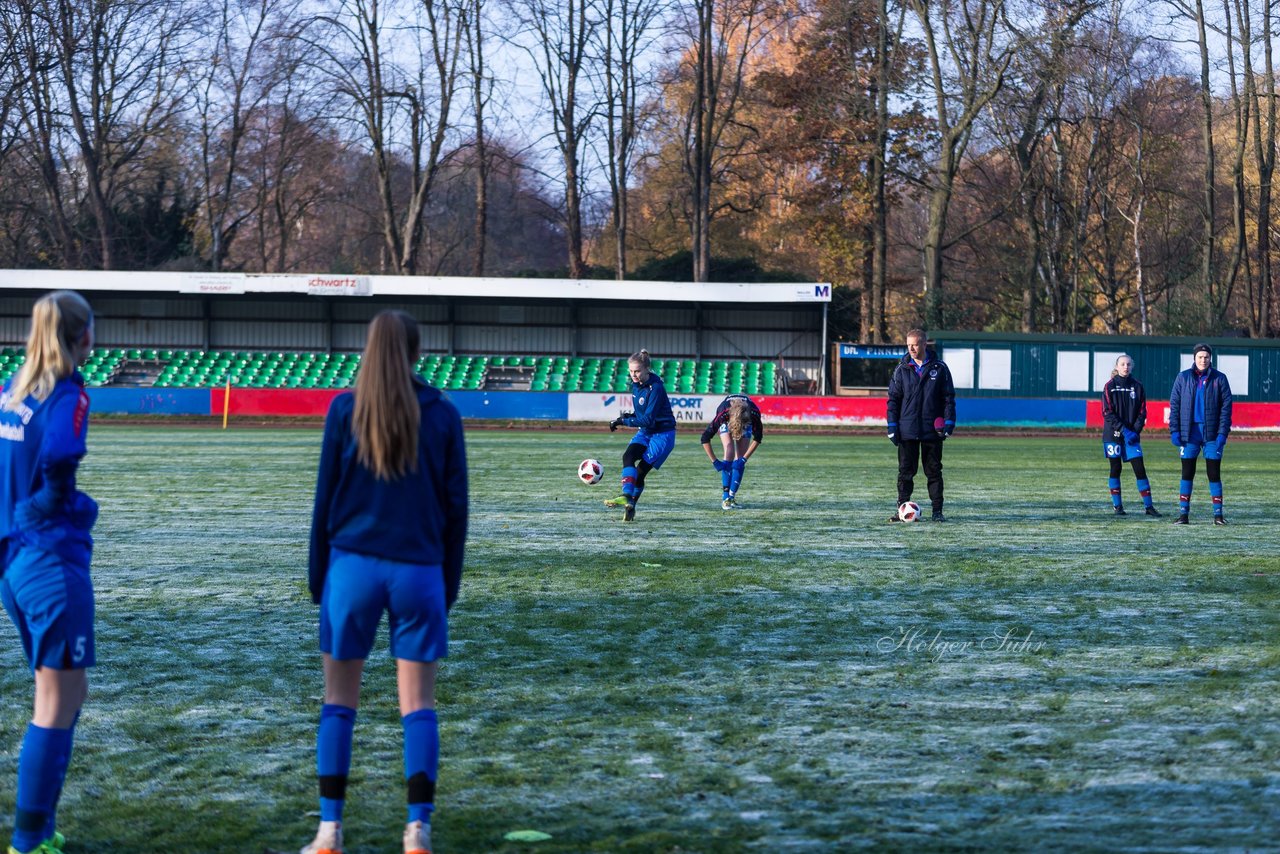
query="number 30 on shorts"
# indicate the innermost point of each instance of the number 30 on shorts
(1111, 449)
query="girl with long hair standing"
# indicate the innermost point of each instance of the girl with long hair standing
(45, 550)
(387, 534)
(1124, 414)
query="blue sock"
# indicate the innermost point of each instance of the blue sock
(42, 766)
(739, 468)
(629, 475)
(1144, 489)
(52, 824)
(724, 481)
(1215, 495)
(1184, 497)
(1114, 483)
(333, 758)
(421, 762)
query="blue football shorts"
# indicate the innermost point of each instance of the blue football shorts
(358, 588)
(51, 603)
(658, 446)
(1112, 448)
(1196, 443)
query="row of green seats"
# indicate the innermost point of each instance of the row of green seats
(304, 369)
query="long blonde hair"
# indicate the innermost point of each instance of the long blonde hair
(739, 418)
(58, 323)
(386, 416)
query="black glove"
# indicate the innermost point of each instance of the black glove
(614, 425)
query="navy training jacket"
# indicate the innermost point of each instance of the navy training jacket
(1124, 404)
(918, 397)
(419, 518)
(41, 445)
(652, 406)
(1217, 404)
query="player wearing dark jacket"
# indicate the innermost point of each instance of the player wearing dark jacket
(1124, 414)
(1200, 418)
(420, 518)
(921, 414)
(387, 535)
(655, 436)
(737, 419)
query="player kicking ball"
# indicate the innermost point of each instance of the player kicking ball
(655, 436)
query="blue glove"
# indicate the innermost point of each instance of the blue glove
(893, 435)
(739, 465)
(1176, 438)
(720, 465)
(1222, 443)
(1130, 437)
(949, 427)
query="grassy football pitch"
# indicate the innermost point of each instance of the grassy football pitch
(797, 675)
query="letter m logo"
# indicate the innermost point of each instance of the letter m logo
(821, 291)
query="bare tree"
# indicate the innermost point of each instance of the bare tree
(724, 36)
(1256, 104)
(1022, 116)
(396, 69)
(119, 65)
(232, 89)
(557, 36)
(628, 36)
(481, 81)
(970, 46)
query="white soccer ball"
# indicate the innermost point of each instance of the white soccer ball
(590, 471)
(909, 511)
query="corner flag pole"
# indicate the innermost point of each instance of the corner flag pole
(226, 402)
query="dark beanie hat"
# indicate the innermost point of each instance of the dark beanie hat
(1200, 347)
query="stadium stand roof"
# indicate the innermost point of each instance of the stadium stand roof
(213, 284)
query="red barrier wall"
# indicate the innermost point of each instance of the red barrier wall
(815, 410)
(1244, 416)
(273, 401)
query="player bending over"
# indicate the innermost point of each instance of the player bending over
(737, 419)
(655, 434)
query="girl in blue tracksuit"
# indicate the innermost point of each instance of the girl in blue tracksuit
(387, 534)
(655, 435)
(1200, 418)
(45, 546)
(741, 431)
(1124, 414)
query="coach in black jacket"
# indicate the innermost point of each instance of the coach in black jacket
(922, 413)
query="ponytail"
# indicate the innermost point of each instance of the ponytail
(59, 321)
(642, 359)
(386, 417)
(739, 419)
